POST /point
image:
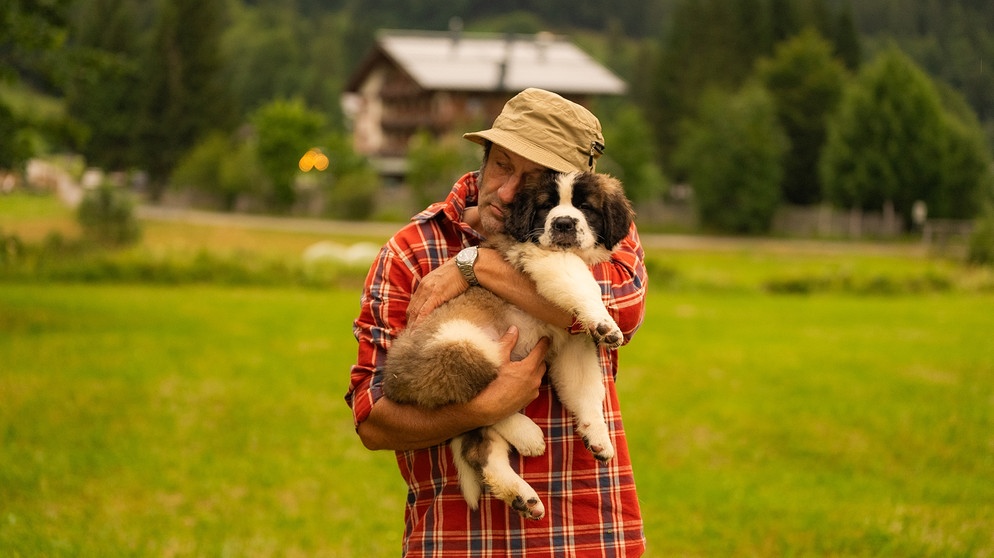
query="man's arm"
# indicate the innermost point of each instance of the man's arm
(494, 274)
(398, 427)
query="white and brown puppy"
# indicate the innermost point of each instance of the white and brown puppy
(558, 225)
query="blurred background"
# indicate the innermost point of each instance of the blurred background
(191, 193)
(799, 117)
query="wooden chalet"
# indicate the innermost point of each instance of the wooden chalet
(450, 82)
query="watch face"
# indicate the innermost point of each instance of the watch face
(467, 255)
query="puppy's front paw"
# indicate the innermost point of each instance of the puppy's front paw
(607, 334)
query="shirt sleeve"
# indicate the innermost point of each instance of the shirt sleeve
(623, 282)
(383, 313)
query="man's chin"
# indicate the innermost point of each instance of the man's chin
(491, 225)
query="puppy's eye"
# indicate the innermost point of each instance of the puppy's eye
(586, 206)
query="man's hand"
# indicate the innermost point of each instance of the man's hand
(440, 285)
(517, 382)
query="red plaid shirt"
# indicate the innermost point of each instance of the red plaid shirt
(591, 507)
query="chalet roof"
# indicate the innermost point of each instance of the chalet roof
(490, 62)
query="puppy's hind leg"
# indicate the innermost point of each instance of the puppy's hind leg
(481, 458)
(576, 375)
(505, 484)
(522, 433)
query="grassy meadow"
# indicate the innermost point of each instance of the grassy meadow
(779, 402)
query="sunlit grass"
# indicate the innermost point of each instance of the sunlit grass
(191, 421)
(209, 420)
(143, 421)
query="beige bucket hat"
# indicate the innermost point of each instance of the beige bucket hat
(547, 129)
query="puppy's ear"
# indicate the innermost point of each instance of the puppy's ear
(617, 211)
(520, 212)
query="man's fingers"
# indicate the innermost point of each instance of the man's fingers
(509, 339)
(540, 349)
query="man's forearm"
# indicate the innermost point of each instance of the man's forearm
(400, 427)
(502, 279)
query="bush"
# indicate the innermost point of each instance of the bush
(732, 154)
(107, 216)
(981, 246)
(221, 168)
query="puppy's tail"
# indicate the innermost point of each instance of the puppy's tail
(469, 474)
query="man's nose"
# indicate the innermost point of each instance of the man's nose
(509, 188)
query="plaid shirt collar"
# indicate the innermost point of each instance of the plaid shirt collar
(465, 193)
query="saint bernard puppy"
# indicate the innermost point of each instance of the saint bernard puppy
(558, 225)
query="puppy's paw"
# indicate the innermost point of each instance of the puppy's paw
(532, 508)
(523, 434)
(514, 492)
(597, 439)
(607, 334)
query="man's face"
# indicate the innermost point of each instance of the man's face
(500, 178)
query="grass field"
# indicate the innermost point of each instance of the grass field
(203, 420)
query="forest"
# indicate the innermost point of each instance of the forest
(172, 87)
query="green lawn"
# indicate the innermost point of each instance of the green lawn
(207, 421)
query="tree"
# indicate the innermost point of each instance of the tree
(222, 168)
(806, 83)
(732, 154)
(284, 131)
(100, 92)
(29, 33)
(893, 143)
(631, 155)
(184, 97)
(709, 43)
(845, 38)
(433, 164)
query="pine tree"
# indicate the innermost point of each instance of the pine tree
(806, 83)
(845, 37)
(184, 96)
(893, 142)
(101, 88)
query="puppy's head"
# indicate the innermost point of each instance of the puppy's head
(570, 211)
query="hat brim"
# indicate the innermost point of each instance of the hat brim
(521, 146)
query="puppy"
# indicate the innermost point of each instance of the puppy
(559, 224)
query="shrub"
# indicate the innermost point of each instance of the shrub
(107, 216)
(732, 154)
(981, 245)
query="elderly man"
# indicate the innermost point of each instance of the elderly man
(591, 507)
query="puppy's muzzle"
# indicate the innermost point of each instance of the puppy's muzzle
(564, 232)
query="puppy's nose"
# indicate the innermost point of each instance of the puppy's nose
(564, 224)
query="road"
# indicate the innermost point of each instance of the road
(679, 242)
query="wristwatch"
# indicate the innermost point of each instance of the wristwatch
(465, 260)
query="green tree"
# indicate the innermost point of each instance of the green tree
(846, 39)
(893, 142)
(806, 83)
(185, 97)
(433, 164)
(351, 193)
(732, 154)
(30, 33)
(631, 155)
(709, 43)
(284, 131)
(264, 56)
(101, 85)
(221, 168)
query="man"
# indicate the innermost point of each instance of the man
(591, 507)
